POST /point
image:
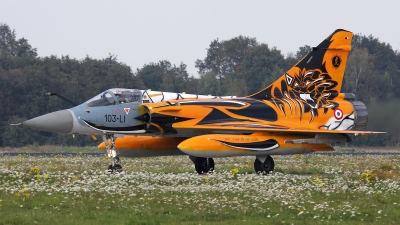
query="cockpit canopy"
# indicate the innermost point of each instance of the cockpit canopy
(115, 96)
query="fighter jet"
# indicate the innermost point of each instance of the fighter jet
(301, 112)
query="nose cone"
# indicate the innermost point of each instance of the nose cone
(58, 122)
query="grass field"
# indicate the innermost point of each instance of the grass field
(166, 190)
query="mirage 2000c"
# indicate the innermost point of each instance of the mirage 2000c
(301, 112)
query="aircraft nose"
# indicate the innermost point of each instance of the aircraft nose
(58, 122)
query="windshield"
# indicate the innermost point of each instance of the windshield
(115, 96)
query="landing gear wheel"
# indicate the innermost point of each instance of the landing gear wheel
(114, 167)
(266, 167)
(117, 168)
(204, 165)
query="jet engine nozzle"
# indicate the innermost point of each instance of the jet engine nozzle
(361, 115)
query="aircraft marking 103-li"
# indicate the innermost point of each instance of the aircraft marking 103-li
(303, 111)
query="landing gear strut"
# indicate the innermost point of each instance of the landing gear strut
(114, 167)
(264, 165)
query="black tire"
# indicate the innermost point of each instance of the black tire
(117, 169)
(204, 165)
(110, 169)
(266, 167)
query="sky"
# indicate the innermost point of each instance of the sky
(142, 32)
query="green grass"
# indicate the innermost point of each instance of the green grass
(88, 209)
(165, 190)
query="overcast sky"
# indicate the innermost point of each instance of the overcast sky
(140, 32)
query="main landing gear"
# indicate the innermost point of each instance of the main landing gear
(264, 164)
(114, 167)
(203, 165)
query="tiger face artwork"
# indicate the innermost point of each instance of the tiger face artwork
(305, 91)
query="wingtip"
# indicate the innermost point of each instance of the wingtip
(16, 124)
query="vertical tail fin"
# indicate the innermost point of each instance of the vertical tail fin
(320, 73)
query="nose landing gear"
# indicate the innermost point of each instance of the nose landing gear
(114, 167)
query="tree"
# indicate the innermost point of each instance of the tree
(234, 86)
(18, 136)
(303, 51)
(9, 44)
(261, 66)
(209, 84)
(365, 80)
(382, 52)
(192, 86)
(395, 75)
(290, 61)
(225, 57)
(163, 76)
(358, 65)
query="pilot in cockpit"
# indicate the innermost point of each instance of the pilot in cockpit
(135, 96)
(127, 96)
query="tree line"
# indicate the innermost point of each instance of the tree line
(238, 66)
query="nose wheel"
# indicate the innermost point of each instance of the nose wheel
(114, 167)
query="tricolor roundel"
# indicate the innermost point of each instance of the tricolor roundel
(338, 113)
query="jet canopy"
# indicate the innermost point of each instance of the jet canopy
(115, 96)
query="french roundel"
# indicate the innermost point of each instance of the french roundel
(338, 113)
